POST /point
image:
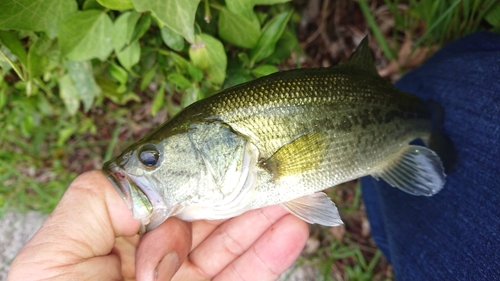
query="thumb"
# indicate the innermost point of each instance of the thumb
(76, 239)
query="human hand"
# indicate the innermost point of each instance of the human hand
(92, 235)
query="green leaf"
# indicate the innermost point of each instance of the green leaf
(179, 80)
(195, 73)
(64, 135)
(68, 94)
(117, 4)
(264, 70)
(238, 30)
(31, 88)
(12, 64)
(262, 17)
(180, 61)
(237, 75)
(493, 15)
(3, 99)
(208, 53)
(158, 100)
(241, 7)
(245, 7)
(27, 125)
(173, 40)
(123, 29)
(284, 46)
(198, 54)
(141, 27)
(87, 35)
(172, 108)
(38, 57)
(11, 41)
(147, 78)
(130, 55)
(129, 96)
(45, 106)
(118, 73)
(270, 35)
(44, 45)
(243, 57)
(178, 15)
(92, 5)
(111, 91)
(183, 65)
(36, 63)
(190, 96)
(53, 54)
(83, 80)
(35, 15)
(269, 2)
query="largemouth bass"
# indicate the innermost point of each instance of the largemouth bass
(280, 139)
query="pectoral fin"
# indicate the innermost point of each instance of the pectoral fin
(416, 170)
(316, 208)
(302, 154)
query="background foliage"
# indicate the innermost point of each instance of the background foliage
(81, 79)
(64, 63)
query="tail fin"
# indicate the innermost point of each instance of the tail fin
(439, 142)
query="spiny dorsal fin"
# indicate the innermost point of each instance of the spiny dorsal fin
(302, 154)
(361, 58)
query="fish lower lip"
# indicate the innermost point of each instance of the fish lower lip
(159, 211)
(120, 182)
(152, 212)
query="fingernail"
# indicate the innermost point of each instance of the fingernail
(167, 267)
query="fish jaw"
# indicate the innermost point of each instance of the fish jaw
(146, 204)
(119, 181)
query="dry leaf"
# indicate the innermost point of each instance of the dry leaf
(338, 232)
(365, 227)
(312, 244)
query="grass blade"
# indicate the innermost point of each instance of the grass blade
(388, 52)
(437, 23)
(14, 66)
(112, 143)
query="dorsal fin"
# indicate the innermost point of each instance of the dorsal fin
(361, 58)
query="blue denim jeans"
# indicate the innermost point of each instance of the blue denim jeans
(455, 234)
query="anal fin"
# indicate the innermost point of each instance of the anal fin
(416, 170)
(315, 208)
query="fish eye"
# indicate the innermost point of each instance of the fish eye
(149, 155)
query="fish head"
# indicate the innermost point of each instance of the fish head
(195, 174)
(146, 179)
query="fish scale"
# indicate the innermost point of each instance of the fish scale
(291, 110)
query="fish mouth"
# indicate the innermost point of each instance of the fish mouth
(146, 204)
(119, 181)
